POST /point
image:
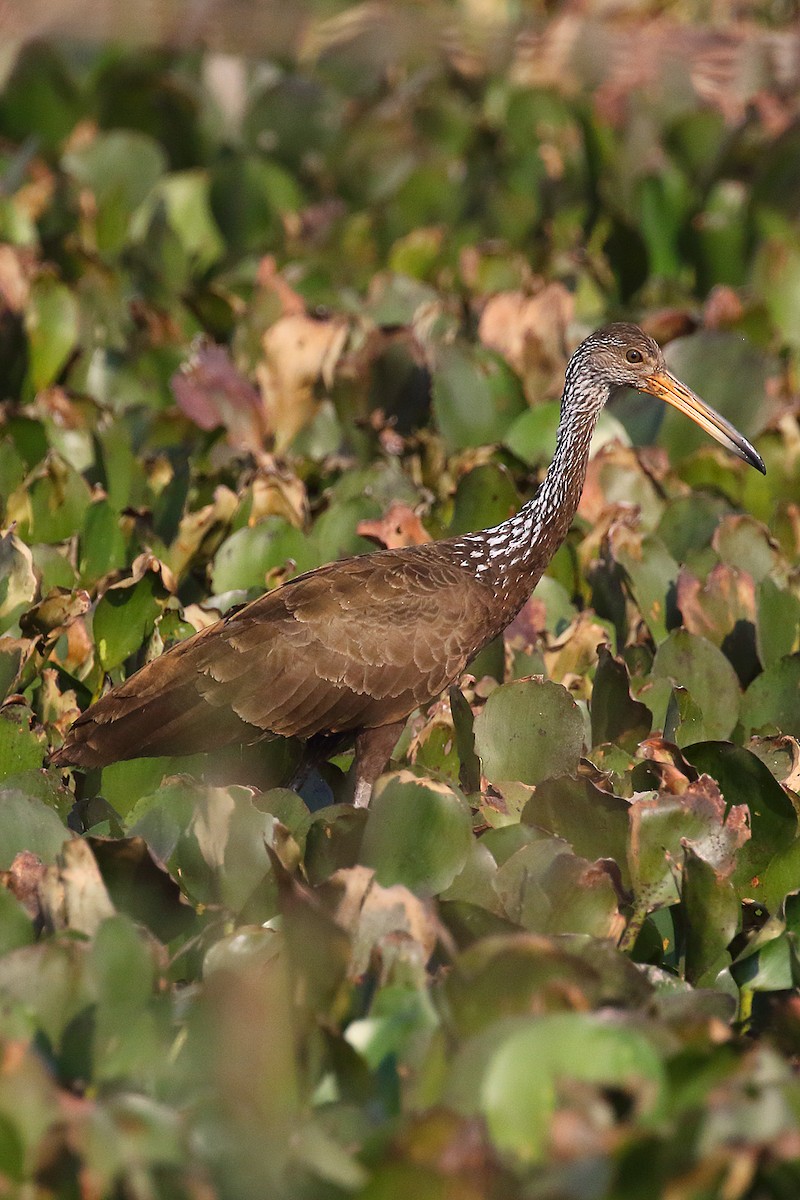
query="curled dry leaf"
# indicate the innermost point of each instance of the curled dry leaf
(55, 612)
(200, 526)
(530, 331)
(299, 352)
(148, 562)
(212, 392)
(278, 492)
(58, 709)
(674, 772)
(398, 527)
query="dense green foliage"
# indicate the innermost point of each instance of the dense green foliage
(558, 956)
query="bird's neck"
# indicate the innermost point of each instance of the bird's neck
(512, 556)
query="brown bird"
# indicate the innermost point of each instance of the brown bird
(355, 646)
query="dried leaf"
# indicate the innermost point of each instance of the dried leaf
(299, 352)
(530, 333)
(398, 527)
(213, 393)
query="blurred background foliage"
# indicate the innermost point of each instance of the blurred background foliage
(279, 283)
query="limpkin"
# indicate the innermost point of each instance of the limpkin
(357, 645)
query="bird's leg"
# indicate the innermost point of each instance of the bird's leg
(373, 747)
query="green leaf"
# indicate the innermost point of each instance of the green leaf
(475, 396)
(54, 504)
(713, 916)
(546, 889)
(21, 747)
(519, 1089)
(663, 826)
(595, 823)
(729, 372)
(484, 496)
(650, 572)
(17, 580)
(527, 731)
(249, 196)
(777, 622)
(418, 833)
(697, 665)
(51, 322)
(184, 196)
(244, 559)
(745, 544)
(16, 927)
(616, 716)
(26, 823)
(120, 168)
(688, 523)
(102, 544)
(772, 702)
(125, 617)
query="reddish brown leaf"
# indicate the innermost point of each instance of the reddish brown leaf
(22, 879)
(398, 527)
(213, 393)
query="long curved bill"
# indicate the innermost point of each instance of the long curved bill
(667, 387)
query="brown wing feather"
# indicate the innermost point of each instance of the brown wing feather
(356, 644)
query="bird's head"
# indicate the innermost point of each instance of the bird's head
(623, 355)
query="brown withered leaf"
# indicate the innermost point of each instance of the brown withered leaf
(58, 709)
(213, 393)
(15, 277)
(145, 562)
(722, 308)
(299, 352)
(22, 879)
(278, 492)
(574, 651)
(712, 609)
(670, 770)
(79, 648)
(668, 324)
(530, 333)
(528, 625)
(199, 527)
(398, 527)
(59, 608)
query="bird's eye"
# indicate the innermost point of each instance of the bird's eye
(634, 356)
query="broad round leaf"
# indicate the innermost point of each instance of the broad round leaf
(697, 665)
(518, 1091)
(772, 702)
(418, 833)
(529, 730)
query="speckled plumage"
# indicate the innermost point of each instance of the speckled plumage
(357, 645)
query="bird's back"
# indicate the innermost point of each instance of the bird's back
(356, 644)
